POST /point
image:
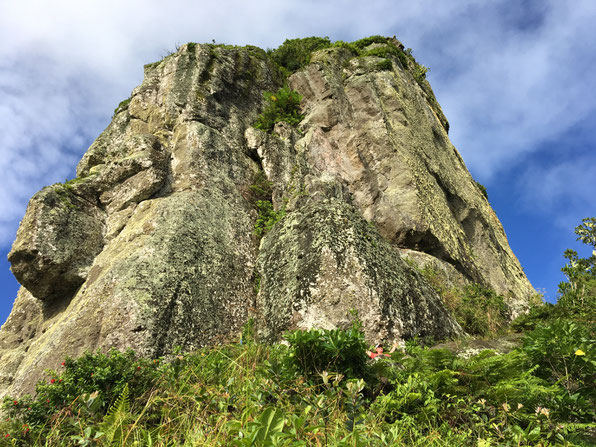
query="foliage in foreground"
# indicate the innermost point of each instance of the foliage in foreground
(577, 295)
(319, 390)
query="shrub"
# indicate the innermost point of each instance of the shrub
(414, 397)
(535, 316)
(420, 72)
(480, 310)
(294, 54)
(362, 43)
(86, 386)
(267, 217)
(564, 352)
(261, 187)
(385, 64)
(283, 105)
(318, 350)
(482, 189)
(384, 51)
(122, 107)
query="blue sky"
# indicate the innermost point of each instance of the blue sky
(515, 79)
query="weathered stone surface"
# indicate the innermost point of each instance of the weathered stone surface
(19, 331)
(56, 243)
(324, 260)
(153, 245)
(447, 272)
(377, 132)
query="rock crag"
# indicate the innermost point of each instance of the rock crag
(153, 245)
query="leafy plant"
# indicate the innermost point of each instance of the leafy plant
(362, 43)
(481, 311)
(283, 105)
(294, 54)
(122, 106)
(577, 295)
(385, 64)
(420, 72)
(478, 310)
(482, 189)
(267, 217)
(564, 351)
(318, 350)
(116, 418)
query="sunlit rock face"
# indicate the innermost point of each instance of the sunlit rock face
(153, 245)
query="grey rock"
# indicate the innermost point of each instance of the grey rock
(153, 245)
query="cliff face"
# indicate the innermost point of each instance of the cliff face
(153, 244)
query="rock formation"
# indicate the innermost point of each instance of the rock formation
(153, 245)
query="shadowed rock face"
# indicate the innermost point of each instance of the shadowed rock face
(153, 245)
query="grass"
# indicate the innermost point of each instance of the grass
(247, 393)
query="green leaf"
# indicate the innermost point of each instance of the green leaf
(271, 422)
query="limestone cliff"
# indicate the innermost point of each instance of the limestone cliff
(153, 244)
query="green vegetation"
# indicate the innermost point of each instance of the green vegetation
(478, 310)
(420, 73)
(384, 65)
(64, 191)
(261, 198)
(294, 54)
(283, 105)
(319, 390)
(315, 351)
(122, 106)
(482, 189)
(267, 217)
(578, 293)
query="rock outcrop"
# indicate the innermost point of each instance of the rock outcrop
(153, 246)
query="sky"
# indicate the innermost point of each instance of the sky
(515, 79)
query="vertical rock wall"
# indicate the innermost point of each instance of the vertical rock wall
(153, 245)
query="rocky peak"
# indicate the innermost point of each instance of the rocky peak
(185, 221)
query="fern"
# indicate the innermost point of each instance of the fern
(116, 418)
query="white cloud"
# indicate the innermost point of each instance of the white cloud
(511, 89)
(567, 188)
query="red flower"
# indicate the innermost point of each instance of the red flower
(15, 402)
(62, 363)
(53, 380)
(138, 367)
(7, 435)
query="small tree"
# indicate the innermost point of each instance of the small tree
(586, 232)
(578, 293)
